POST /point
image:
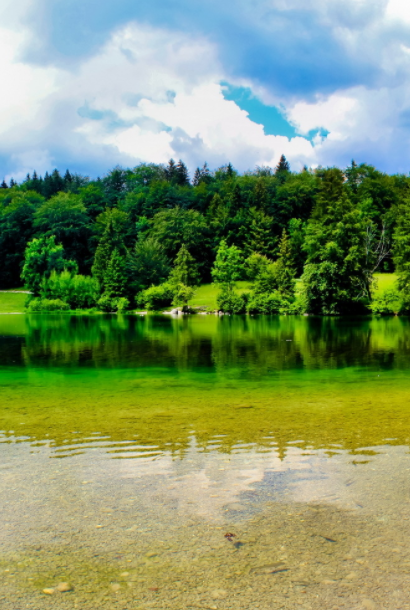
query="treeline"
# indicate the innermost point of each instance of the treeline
(147, 236)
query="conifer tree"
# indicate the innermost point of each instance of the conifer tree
(181, 174)
(115, 277)
(4, 185)
(171, 171)
(283, 166)
(185, 269)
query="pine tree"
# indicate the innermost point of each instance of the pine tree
(181, 174)
(235, 200)
(283, 166)
(260, 194)
(197, 177)
(171, 171)
(67, 178)
(115, 277)
(12, 183)
(4, 185)
(285, 266)
(185, 269)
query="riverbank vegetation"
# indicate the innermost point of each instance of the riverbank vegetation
(149, 237)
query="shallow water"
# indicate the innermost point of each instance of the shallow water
(129, 447)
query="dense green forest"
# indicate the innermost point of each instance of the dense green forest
(310, 242)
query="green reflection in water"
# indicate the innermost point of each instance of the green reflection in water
(157, 381)
(210, 404)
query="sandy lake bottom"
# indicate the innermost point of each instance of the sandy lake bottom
(130, 448)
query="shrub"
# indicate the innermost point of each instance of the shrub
(105, 303)
(232, 302)
(387, 303)
(79, 291)
(37, 305)
(182, 294)
(268, 303)
(255, 264)
(156, 297)
(122, 304)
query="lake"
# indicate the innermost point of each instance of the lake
(204, 462)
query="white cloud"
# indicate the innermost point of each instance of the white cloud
(151, 93)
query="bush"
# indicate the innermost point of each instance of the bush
(37, 305)
(156, 297)
(270, 303)
(105, 303)
(388, 303)
(182, 294)
(122, 304)
(255, 264)
(232, 302)
(79, 291)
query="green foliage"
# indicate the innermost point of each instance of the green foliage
(255, 264)
(156, 297)
(333, 279)
(47, 305)
(175, 227)
(268, 303)
(182, 294)
(185, 270)
(147, 265)
(78, 291)
(109, 305)
(115, 278)
(65, 217)
(388, 302)
(42, 256)
(230, 301)
(122, 304)
(401, 249)
(228, 266)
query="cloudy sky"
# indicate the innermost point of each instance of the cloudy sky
(89, 84)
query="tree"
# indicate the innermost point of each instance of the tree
(115, 277)
(258, 233)
(171, 171)
(181, 174)
(178, 226)
(401, 249)
(282, 168)
(16, 230)
(285, 270)
(335, 245)
(65, 217)
(110, 241)
(185, 270)
(227, 268)
(148, 265)
(42, 256)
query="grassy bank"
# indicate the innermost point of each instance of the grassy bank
(205, 294)
(11, 302)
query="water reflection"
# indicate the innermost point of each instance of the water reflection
(291, 433)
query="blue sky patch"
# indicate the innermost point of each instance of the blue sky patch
(270, 117)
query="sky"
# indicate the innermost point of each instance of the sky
(88, 85)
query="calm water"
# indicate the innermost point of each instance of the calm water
(129, 447)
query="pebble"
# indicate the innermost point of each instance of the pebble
(115, 587)
(48, 591)
(369, 604)
(64, 587)
(219, 594)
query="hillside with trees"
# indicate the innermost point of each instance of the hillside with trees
(310, 242)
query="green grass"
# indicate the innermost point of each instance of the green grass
(12, 303)
(385, 281)
(205, 295)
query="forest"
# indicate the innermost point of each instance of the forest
(308, 241)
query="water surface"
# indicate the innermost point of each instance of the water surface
(131, 445)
